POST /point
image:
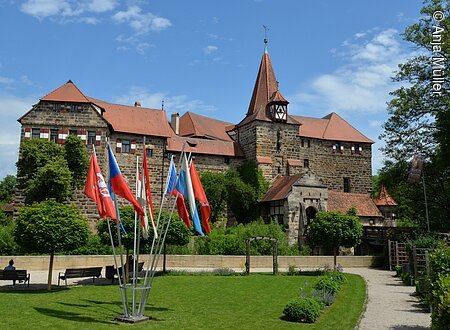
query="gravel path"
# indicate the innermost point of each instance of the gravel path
(390, 304)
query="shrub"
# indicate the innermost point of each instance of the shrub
(292, 270)
(425, 242)
(440, 302)
(337, 276)
(324, 297)
(440, 262)
(398, 270)
(94, 246)
(406, 278)
(327, 283)
(8, 245)
(302, 310)
(224, 271)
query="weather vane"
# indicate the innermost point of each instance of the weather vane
(265, 38)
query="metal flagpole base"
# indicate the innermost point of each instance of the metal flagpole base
(132, 319)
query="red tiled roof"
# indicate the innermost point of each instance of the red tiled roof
(384, 199)
(277, 97)
(135, 120)
(281, 188)
(331, 127)
(342, 202)
(66, 93)
(194, 125)
(263, 160)
(205, 146)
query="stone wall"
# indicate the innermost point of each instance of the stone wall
(281, 142)
(332, 167)
(199, 262)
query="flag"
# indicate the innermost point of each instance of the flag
(142, 200)
(97, 190)
(170, 189)
(416, 169)
(184, 186)
(199, 193)
(118, 184)
(148, 192)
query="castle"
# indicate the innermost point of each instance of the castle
(312, 164)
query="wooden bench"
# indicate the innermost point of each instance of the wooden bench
(80, 272)
(15, 275)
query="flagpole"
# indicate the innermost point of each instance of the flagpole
(112, 240)
(135, 242)
(122, 281)
(154, 262)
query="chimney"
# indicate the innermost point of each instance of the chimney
(137, 104)
(175, 122)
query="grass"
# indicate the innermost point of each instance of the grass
(183, 302)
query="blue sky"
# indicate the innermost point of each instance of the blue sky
(203, 56)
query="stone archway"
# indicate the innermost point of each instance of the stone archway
(310, 215)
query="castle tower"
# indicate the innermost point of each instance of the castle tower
(268, 134)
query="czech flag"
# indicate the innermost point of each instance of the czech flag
(97, 190)
(118, 184)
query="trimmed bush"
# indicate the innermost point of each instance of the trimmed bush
(440, 302)
(302, 310)
(328, 284)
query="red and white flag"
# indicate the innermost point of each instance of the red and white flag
(97, 190)
(145, 194)
(199, 193)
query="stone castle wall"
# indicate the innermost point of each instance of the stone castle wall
(288, 151)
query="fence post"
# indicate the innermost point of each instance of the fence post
(390, 254)
(415, 263)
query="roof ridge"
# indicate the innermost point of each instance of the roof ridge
(328, 124)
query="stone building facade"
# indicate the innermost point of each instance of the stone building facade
(314, 155)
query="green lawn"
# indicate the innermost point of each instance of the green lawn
(182, 302)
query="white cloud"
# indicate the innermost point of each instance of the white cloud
(62, 9)
(363, 83)
(178, 103)
(44, 8)
(6, 80)
(100, 6)
(359, 88)
(210, 49)
(141, 22)
(140, 48)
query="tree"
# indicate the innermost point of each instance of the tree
(7, 188)
(241, 198)
(334, 229)
(412, 125)
(47, 170)
(419, 119)
(215, 188)
(50, 227)
(33, 155)
(77, 159)
(53, 180)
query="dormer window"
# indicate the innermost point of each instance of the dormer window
(278, 111)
